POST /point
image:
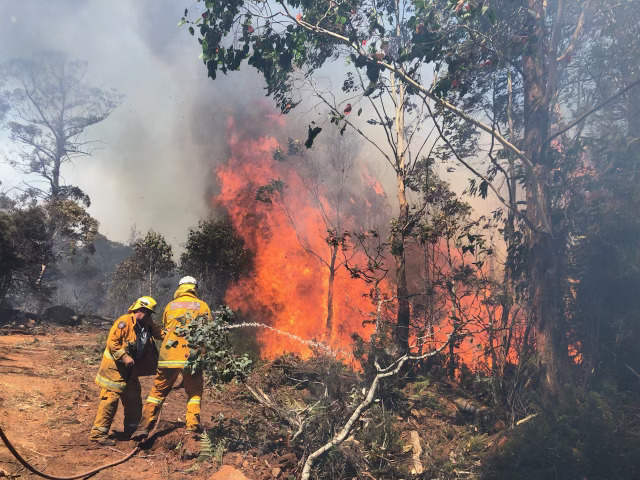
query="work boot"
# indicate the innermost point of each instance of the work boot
(196, 429)
(140, 435)
(105, 442)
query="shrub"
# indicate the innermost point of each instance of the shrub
(211, 351)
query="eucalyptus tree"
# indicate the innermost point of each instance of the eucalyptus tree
(215, 255)
(47, 105)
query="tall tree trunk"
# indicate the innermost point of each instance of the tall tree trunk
(501, 352)
(332, 276)
(544, 256)
(378, 296)
(398, 243)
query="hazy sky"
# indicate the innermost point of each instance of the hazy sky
(155, 167)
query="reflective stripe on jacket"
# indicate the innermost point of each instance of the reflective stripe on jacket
(113, 375)
(178, 314)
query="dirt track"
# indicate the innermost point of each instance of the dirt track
(48, 401)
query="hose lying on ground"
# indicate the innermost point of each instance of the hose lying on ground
(32, 469)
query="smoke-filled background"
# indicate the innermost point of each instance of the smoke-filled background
(154, 167)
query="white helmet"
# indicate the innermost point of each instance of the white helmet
(188, 280)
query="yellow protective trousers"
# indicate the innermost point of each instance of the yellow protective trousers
(165, 378)
(131, 402)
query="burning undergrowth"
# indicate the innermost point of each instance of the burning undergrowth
(285, 207)
(317, 223)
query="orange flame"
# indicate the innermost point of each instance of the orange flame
(288, 288)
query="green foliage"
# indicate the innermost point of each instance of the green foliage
(206, 448)
(69, 219)
(276, 49)
(153, 256)
(211, 351)
(272, 191)
(25, 246)
(142, 272)
(216, 255)
(219, 450)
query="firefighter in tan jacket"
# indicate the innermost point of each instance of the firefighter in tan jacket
(174, 353)
(130, 352)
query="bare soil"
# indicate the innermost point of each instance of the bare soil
(48, 401)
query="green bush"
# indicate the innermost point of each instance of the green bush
(211, 351)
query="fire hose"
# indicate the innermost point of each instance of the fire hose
(32, 469)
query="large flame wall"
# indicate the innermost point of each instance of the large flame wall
(288, 288)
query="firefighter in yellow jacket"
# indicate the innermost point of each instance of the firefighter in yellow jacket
(173, 359)
(129, 351)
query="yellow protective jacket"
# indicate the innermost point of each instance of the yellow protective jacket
(113, 375)
(178, 314)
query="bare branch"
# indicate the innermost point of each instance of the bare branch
(576, 34)
(593, 110)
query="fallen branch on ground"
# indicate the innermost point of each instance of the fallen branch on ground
(526, 419)
(343, 433)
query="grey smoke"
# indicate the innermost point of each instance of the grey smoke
(156, 166)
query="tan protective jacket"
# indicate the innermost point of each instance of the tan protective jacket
(113, 375)
(178, 314)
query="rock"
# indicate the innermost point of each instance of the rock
(227, 472)
(61, 315)
(276, 472)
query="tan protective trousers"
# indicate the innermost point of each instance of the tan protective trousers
(131, 402)
(165, 378)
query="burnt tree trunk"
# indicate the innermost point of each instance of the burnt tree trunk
(402, 324)
(332, 276)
